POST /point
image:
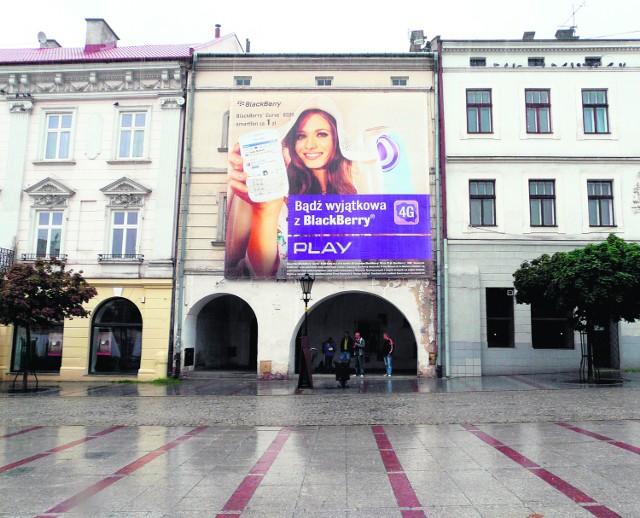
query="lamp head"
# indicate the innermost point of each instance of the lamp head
(306, 281)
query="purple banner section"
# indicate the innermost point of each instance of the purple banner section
(332, 248)
(398, 214)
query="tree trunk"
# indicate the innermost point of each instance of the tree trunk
(27, 361)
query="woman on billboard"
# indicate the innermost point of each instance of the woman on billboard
(313, 162)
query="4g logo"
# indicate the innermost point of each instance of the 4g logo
(406, 212)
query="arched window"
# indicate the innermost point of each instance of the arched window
(116, 338)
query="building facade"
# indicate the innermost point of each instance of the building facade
(90, 155)
(541, 156)
(235, 311)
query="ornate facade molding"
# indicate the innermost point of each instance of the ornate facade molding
(125, 193)
(49, 193)
(635, 206)
(19, 106)
(171, 102)
(124, 80)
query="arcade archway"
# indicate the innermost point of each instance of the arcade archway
(371, 316)
(226, 335)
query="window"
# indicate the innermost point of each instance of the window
(48, 233)
(550, 327)
(58, 137)
(46, 348)
(479, 110)
(242, 81)
(131, 139)
(593, 61)
(535, 62)
(124, 233)
(538, 107)
(478, 62)
(500, 331)
(324, 81)
(542, 203)
(399, 81)
(595, 111)
(600, 195)
(222, 217)
(224, 141)
(116, 341)
(482, 203)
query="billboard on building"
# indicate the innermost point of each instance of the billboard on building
(330, 185)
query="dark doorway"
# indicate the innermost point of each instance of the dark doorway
(226, 335)
(371, 316)
(604, 340)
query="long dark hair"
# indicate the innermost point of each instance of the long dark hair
(301, 178)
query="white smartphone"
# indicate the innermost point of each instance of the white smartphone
(264, 164)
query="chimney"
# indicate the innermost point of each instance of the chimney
(217, 30)
(99, 36)
(528, 35)
(248, 46)
(417, 40)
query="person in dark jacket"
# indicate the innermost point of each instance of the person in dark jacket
(387, 352)
(329, 349)
(358, 352)
(346, 346)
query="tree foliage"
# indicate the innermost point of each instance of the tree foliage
(599, 282)
(42, 294)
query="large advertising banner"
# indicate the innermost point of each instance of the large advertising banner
(330, 185)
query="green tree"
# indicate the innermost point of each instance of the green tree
(40, 295)
(600, 283)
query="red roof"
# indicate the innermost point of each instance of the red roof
(62, 54)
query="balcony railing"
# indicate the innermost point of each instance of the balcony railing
(44, 257)
(105, 258)
(6, 259)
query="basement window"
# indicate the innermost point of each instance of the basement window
(535, 62)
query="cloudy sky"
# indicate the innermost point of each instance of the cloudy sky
(324, 26)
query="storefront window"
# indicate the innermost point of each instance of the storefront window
(46, 349)
(116, 338)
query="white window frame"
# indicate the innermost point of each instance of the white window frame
(46, 115)
(324, 81)
(124, 226)
(222, 217)
(135, 110)
(399, 80)
(49, 226)
(242, 81)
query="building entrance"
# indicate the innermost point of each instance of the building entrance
(371, 316)
(226, 335)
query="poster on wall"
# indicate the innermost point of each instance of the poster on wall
(330, 185)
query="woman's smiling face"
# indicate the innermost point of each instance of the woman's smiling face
(314, 141)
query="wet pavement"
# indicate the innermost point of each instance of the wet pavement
(506, 446)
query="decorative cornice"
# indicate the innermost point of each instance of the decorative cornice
(19, 106)
(171, 102)
(49, 193)
(546, 159)
(80, 81)
(125, 193)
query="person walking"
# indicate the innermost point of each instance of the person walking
(387, 352)
(358, 352)
(329, 349)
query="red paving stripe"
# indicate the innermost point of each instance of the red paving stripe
(404, 493)
(57, 449)
(26, 430)
(83, 495)
(241, 496)
(572, 492)
(604, 438)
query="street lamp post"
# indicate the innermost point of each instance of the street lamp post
(304, 368)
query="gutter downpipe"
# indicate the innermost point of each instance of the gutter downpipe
(439, 311)
(444, 252)
(184, 209)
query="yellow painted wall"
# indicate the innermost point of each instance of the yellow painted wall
(151, 296)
